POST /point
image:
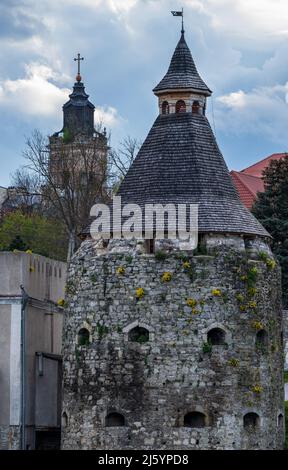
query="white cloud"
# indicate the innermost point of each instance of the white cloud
(120, 6)
(108, 116)
(35, 94)
(263, 110)
(224, 36)
(115, 6)
(245, 17)
(237, 99)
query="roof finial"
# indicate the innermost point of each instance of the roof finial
(78, 59)
(180, 13)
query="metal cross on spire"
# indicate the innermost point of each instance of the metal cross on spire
(78, 59)
(180, 13)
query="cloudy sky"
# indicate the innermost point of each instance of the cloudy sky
(240, 48)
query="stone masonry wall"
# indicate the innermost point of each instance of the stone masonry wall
(155, 384)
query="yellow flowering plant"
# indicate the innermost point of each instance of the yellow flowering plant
(257, 388)
(271, 263)
(191, 302)
(257, 325)
(240, 297)
(252, 291)
(120, 270)
(195, 311)
(187, 265)
(234, 362)
(166, 277)
(140, 292)
(61, 302)
(216, 292)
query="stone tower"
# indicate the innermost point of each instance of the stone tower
(78, 134)
(173, 349)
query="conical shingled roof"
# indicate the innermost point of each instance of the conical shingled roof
(180, 162)
(182, 73)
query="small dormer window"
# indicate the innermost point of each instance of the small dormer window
(165, 107)
(196, 107)
(180, 107)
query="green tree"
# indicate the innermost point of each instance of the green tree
(271, 209)
(43, 236)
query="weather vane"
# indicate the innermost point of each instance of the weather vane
(179, 13)
(78, 59)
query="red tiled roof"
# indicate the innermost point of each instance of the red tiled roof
(247, 187)
(258, 168)
(249, 182)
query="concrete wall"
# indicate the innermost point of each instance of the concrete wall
(10, 385)
(5, 335)
(44, 281)
(42, 278)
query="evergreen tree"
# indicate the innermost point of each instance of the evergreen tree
(271, 209)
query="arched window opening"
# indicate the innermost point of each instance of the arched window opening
(196, 107)
(216, 337)
(248, 242)
(114, 419)
(195, 420)
(165, 107)
(251, 421)
(83, 337)
(139, 335)
(180, 107)
(64, 420)
(261, 341)
(280, 420)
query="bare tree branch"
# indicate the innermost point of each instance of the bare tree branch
(122, 158)
(68, 178)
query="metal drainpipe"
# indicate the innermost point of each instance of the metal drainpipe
(24, 301)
